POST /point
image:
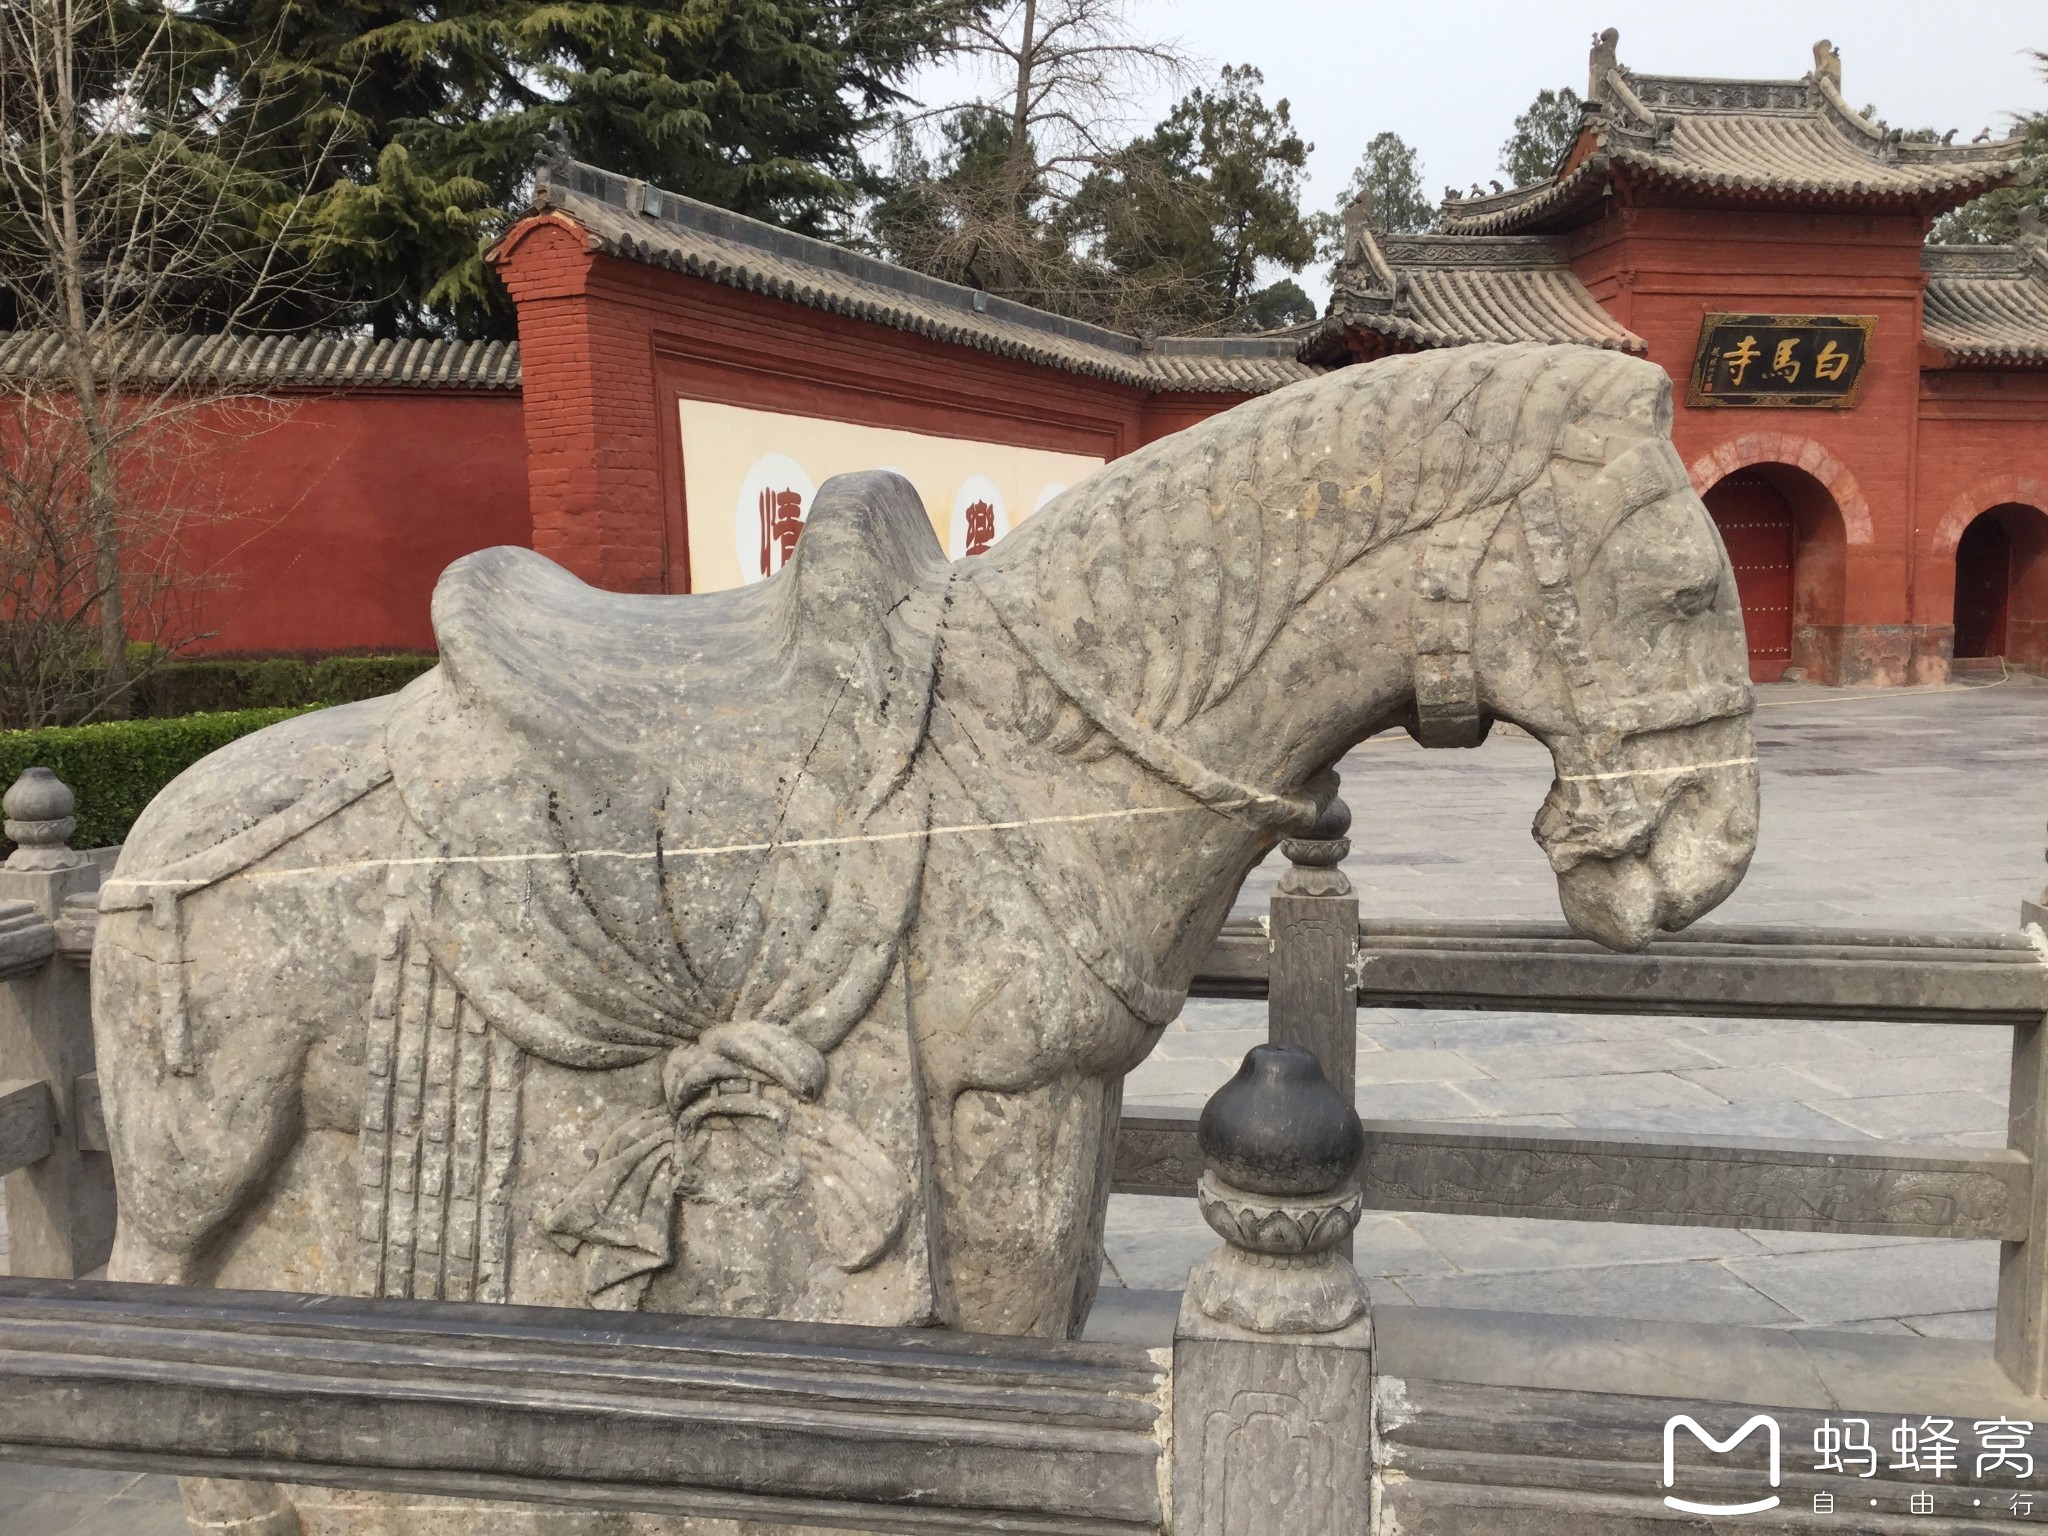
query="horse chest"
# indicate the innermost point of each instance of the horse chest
(1001, 1000)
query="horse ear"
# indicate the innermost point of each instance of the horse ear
(1646, 397)
(866, 546)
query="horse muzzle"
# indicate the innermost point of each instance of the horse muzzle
(1658, 840)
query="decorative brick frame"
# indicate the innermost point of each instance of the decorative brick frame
(1801, 453)
(1992, 491)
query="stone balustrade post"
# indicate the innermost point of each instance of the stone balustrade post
(60, 1208)
(1312, 994)
(1313, 922)
(1272, 1355)
(2021, 1341)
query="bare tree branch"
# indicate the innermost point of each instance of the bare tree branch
(1056, 84)
(124, 208)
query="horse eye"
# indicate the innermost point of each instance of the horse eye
(1695, 598)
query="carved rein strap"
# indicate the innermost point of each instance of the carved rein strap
(1266, 811)
(1446, 685)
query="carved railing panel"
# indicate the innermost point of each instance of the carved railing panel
(877, 1428)
(1894, 1189)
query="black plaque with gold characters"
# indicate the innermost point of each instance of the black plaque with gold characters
(1781, 360)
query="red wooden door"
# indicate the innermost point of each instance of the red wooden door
(1983, 572)
(1756, 526)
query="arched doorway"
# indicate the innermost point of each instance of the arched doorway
(1785, 537)
(2002, 587)
(1983, 588)
(1756, 527)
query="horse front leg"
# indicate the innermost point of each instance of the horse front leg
(197, 1128)
(195, 1125)
(1022, 1182)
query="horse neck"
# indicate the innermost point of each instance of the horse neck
(1340, 668)
(1333, 670)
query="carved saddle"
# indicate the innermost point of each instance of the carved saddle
(638, 827)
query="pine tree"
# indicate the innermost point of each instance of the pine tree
(412, 126)
(1188, 219)
(1391, 173)
(1542, 135)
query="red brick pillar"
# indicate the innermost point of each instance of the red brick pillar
(592, 428)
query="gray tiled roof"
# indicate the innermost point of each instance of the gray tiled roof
(629, 219)
(1448, 290)
(1988, 304)
(322, 362)
(1742, 140)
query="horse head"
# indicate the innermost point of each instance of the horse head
(1601, 615)
(1439, 541)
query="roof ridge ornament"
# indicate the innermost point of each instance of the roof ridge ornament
(1607, 84)
(2030, 238)
(1827, 63)
(1602, 63)
(1824, 87)
(1357, 218)
(1364, 272)
(553, 157)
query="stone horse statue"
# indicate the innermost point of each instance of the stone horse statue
(781, 951)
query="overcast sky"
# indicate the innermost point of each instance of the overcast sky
(1450, 75)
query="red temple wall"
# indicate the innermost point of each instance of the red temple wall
(322, 521)
(607, 348)
(340, 513)
(1983, 444)
(1165, 415)
(1660, 271)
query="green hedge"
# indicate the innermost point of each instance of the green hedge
(116, 768)
(189, 708)
(191, 687)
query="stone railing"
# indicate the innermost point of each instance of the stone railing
(59, 1180)
(1273, 1353)
(878, 1428)
(1317, 962)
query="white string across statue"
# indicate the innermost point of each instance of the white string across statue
(144, 887)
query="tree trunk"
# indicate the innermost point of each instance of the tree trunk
(107, 573)
(103, 495)
(1018, 165)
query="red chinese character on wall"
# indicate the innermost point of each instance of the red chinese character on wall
(782, 522)
(981, 527)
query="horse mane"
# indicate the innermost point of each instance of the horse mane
(1164, 577)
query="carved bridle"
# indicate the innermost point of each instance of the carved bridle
(1599, 809)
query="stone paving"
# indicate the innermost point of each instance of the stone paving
(1916, 809)
(66, 1501)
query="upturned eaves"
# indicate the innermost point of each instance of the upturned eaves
(1987, 305)
(1447, 291)
(1743, 141)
